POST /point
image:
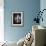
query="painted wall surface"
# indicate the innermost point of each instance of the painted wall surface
(30, 7)
(43, 6)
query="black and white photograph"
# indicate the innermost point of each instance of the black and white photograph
(17, 18)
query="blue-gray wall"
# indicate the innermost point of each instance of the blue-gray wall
(30, 7)
(43, 6)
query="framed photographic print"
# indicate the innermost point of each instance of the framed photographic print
(17, 18)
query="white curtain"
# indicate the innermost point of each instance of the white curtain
(1, 20)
